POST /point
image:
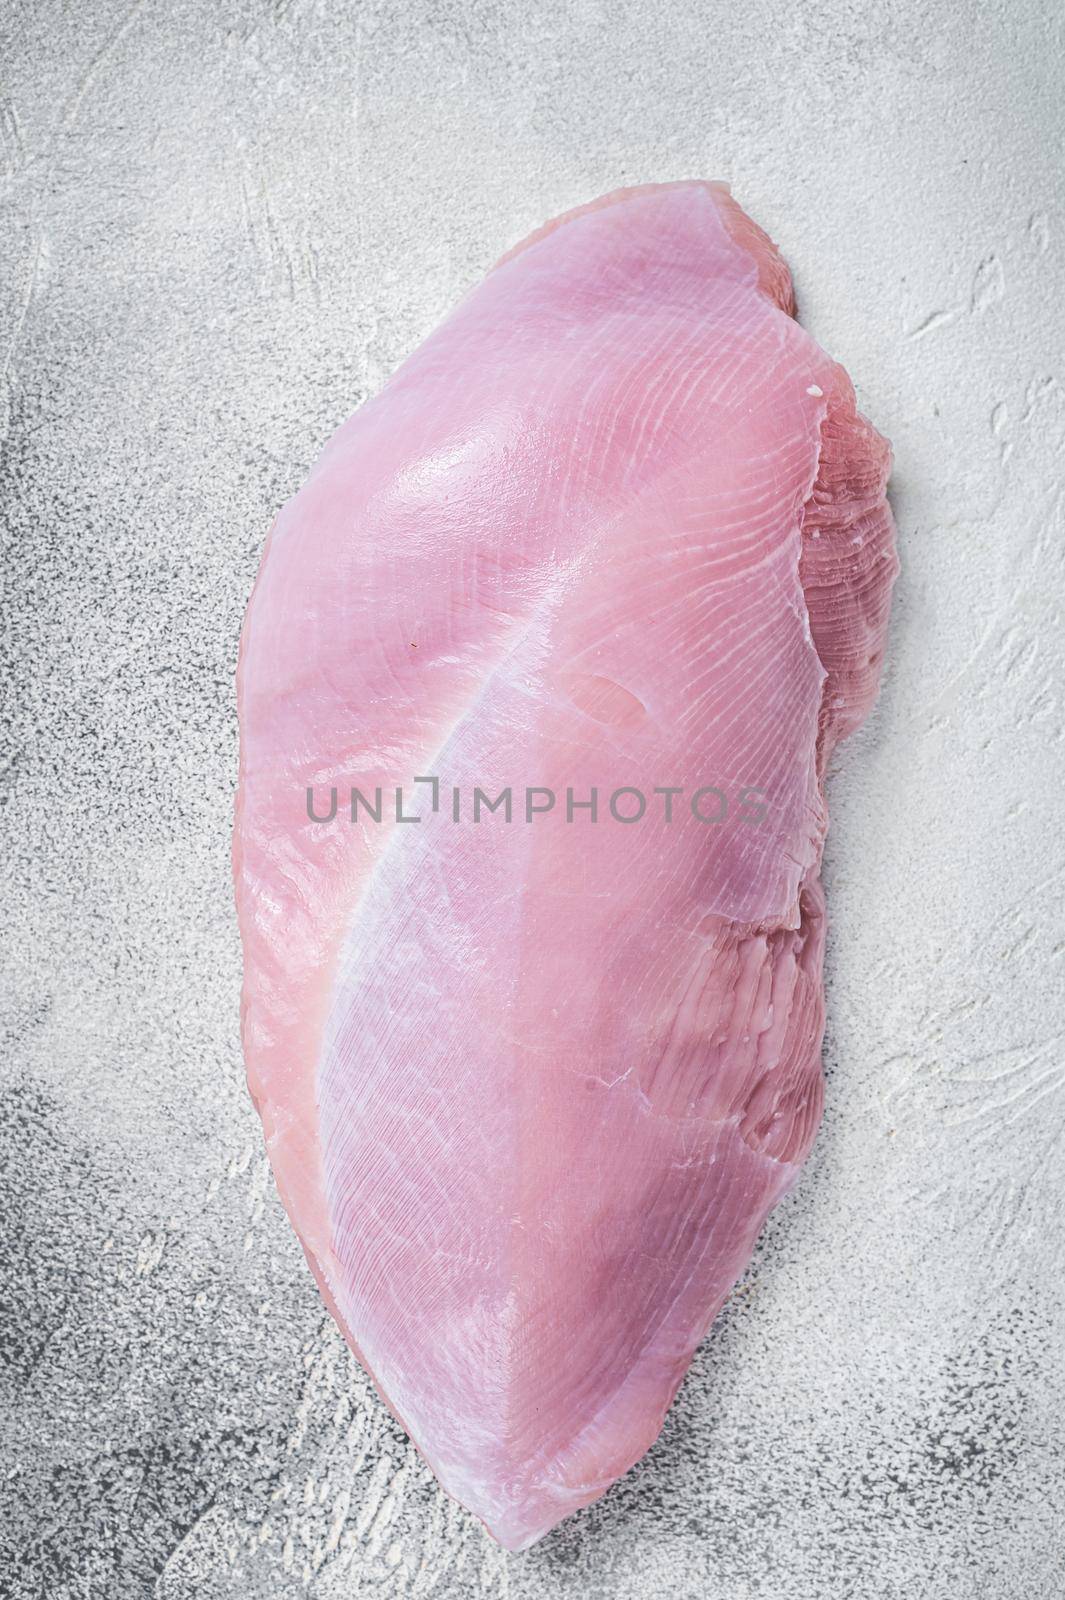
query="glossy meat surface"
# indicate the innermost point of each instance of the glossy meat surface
(531, 1087)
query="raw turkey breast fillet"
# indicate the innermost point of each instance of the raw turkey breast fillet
(530, 1086)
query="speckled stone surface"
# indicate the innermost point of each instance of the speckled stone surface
(223, 224)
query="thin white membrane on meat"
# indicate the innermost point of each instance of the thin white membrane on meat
(531, 1089)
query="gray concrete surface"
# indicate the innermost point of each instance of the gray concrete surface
(223, 223)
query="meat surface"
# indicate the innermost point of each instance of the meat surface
(531, 1085)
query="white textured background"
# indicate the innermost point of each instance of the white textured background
(222, 223)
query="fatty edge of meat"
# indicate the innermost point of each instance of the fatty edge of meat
(530, 1089)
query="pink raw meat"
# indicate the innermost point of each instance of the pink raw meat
(531, 1088)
